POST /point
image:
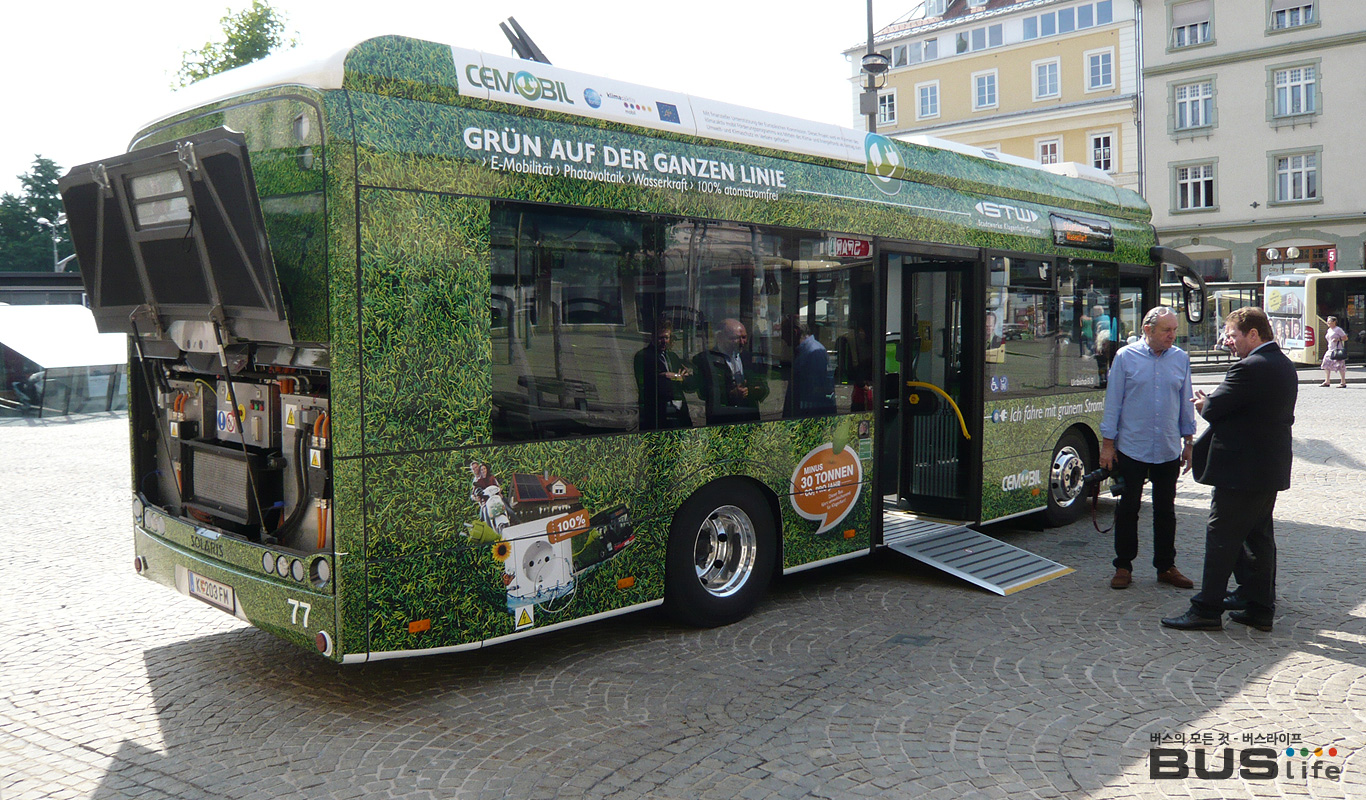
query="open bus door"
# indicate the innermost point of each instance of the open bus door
(928, 453)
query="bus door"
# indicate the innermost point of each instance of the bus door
(926, 462)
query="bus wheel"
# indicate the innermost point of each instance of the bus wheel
(722, 550)
(1066, 489)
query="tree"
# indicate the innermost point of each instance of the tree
(26, 243)
(250, 35)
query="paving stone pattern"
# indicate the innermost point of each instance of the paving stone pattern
(875, 678)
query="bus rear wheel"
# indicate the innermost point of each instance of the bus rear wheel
(1066, 487)
(721, 555)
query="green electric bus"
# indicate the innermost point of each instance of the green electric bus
(431, 349)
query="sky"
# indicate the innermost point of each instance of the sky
(81, 76)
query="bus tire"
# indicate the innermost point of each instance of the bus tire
(721, 555)
(1071, 461)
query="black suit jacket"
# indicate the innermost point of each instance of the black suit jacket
(1247, 445)
(716, 385)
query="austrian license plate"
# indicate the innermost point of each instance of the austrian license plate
(216, 594)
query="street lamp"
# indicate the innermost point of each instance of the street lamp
(875, 66)
(52, 226)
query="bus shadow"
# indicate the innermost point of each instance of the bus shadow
(636, 706)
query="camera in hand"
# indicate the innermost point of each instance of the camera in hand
(1092, 478)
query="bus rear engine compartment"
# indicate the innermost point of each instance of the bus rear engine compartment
(250, 459)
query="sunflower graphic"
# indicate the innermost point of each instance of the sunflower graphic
(502, 550)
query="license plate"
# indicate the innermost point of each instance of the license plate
(212, 592)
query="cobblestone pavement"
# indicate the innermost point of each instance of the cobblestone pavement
(874, 678)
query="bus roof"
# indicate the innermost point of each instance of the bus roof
(394, 60)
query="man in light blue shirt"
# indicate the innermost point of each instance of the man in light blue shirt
(1146, 434)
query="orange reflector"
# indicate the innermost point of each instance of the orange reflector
(419, 626)
(851, 533)
(626, 583)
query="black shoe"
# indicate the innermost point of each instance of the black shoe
(1246, 618)
(1189, 621)
(1234, 602)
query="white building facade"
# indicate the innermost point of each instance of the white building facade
(1252, 131)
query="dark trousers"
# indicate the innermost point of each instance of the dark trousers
(1239, 539)
(1163, 479)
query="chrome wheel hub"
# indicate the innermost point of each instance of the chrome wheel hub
(1065, 479)
(725, 551)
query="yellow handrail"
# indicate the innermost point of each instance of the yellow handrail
(961, 423)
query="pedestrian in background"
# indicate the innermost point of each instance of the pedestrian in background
(1245, 454)
(1146, 436)
(1337, 346)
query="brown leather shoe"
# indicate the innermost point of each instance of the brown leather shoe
(1173, 576)
(1122, 579)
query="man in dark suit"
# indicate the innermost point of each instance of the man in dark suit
(1245, 455)
(661, 378)
(728, 381)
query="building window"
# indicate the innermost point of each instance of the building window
(886, 108)
(1191, 23)
(980, 38)
(1077, 18)
(1291, 14)
(1194, 105)
(1297, 177)
(1046, 79)
(1100, 70)
(1195, 187)
(1050, 151)
(1101, 153)
(1296, 91)
(984, 90)
(927, 100)
(935, 8)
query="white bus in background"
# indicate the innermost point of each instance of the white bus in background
(1300, 304)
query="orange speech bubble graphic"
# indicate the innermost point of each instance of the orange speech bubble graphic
(825, 485)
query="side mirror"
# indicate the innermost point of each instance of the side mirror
(1193, 294)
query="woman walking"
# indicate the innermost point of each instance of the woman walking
(1337, 346)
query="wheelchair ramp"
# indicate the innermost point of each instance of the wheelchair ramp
(967, 554)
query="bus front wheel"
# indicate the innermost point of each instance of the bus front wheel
(1066, 488)
(721, 555)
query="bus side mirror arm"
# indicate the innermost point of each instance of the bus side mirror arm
(1192, 285)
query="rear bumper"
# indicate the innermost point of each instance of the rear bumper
(293, 611)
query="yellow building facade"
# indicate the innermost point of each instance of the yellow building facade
(1046, 80)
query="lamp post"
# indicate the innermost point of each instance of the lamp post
(875, 65)
(52, 228)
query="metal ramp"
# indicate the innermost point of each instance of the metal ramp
(972, 556)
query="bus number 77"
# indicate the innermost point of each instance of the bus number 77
(294, 606)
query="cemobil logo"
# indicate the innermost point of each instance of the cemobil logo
(825, 485)
(1252, 763)
(525, 83)
(882, 162)
(1024, 479)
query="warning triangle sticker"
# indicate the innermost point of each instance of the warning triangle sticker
(524, 618)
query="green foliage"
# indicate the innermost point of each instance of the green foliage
(249, 35)
(25, 242)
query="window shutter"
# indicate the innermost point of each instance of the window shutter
(1190, 13)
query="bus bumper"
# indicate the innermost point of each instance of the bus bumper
(292, 610)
